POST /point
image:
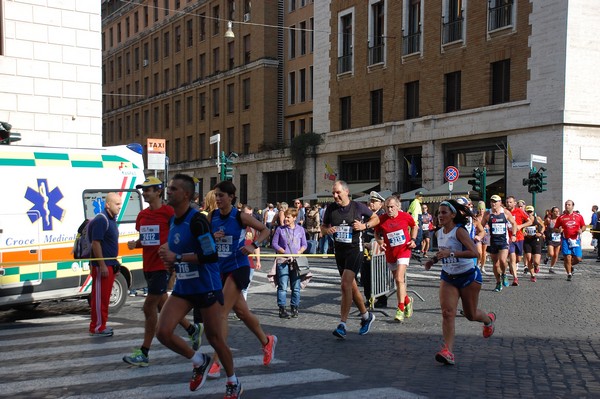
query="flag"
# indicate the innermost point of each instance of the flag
(331, 174)
(411, 167)
(509, 153)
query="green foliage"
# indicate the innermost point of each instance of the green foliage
(299, 146)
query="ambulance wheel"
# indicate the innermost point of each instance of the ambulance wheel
(118, 296)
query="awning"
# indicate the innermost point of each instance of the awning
(317, 196)
(367, 198)
(357, 188)
(407, 196)
(461, 187)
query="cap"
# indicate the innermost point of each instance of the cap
(495, 198)
(462, 201)
(529, 208)
(521, 202)
(376, 196)
(151, 182)
(418, 193)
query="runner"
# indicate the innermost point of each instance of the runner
(459, 277)
(486, 238)
(516, 247)
(570, 224)
(553, 239)
(392, 233)
(532, 244)
(500, 220)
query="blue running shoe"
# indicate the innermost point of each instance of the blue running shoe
(340, 331)
(498, 287)
(137, 358)
(365, 325)
(505, 280)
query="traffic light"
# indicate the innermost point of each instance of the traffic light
(227, 166)
(532, 181)
(478, 182)
(541, 177)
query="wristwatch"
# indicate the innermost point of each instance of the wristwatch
(452, 254)
(178, 257)
(255, 244)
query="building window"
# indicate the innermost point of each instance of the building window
(202, 106)
(215, 102)
(156, 48)
(166, 116)
(292, 88)
(166, 44)
(177, 75)
(361, 170)
(166, 82)
(312, 34)
(177, 113)
(452, 26)
(178, 150)
(230, 98)
(156, 115)
(302, 126)
(156, 82)
(155, 8)
(377, 32)
(246, 137)
(302, 38)
(500, 81)
(292, 129)
(202, 63)
(212, 147)
(146, 16)
(243, 189)
(292, 5)
(202, 27)
(376, 107)
(119, 32)
(452, 83)
(136, 58)
(230, 139)
(190, 70)
(110, 37)
(190, 32)
(202, 145)
(412, 41)
(247, 49)
(216, 60)
(246, 92)
(146, 120)
(345, 113)
(231, 10)
(302, 85)
(166, 7)
(119, 67)
(346, 43)
(216, 21)
(310, 82)
(292, 45)
(177, 39)
(189, 148)
(500, 14)
(146, 86)
(231, 54)
(412, 99)
(127, 27)
(136, 22)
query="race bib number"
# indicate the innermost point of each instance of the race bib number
(150, 235)
(396, 238)
(224, 245)
(344, 234)
(530, 231)
(185, 272)
(498, 228)
(556, 237)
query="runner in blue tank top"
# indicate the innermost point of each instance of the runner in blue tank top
(228, 226)
(191, 251)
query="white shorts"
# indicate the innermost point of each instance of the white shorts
(401, 261)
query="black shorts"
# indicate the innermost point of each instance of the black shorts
(157, 282)
(532, 245)
(204, 300)
(426, 234)
(349, 258)
(241, 277)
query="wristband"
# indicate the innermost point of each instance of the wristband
(255, 244)
(178, 257)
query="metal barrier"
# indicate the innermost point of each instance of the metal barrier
(382, 282)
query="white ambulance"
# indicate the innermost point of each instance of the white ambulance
(46, 194)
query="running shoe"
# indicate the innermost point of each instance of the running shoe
(196, 337)
(233, 391)
(107, 332)
(269, 349)
(533, 279)
(483, 271)
(504, 280)
(340, 331)
(551, 270)
(445, 356)
(536, 269)
(515, 282)
(569, 277)
(365, 324)
(408, 309)
(137, 358)
(399, 315)
(215, 371)
(199, 373)
(488, 330)
(525, 270)
(546, 260)
(498, 287)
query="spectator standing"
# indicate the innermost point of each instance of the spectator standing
(269, 219)
(288, 239)
(426, 228)
(460, 279)
(312, 223)
(416, 211)
(301, 213)
(104, 235)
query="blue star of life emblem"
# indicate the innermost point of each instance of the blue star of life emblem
(45, 205)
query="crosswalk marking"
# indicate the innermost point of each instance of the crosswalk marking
(68, 337)
(287, 378)
(379, 393)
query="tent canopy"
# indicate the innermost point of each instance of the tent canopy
(407, 196)
(326, 196)
(461, 187)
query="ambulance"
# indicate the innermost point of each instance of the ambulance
(46, 194)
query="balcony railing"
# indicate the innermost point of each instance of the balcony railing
(411, 43)
(500, 16)
(345, 63)
(452, 31)
(376, 54)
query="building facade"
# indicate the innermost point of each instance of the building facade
(50, 72)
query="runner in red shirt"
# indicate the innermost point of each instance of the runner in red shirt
(515, 248)
(396, 233)
(570, 224)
